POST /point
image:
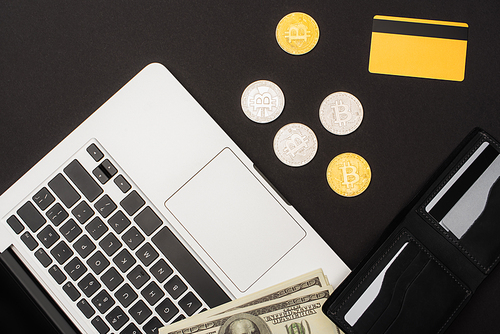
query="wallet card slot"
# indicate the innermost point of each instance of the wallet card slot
(430, 302)
(390, 262)
(483, 238)
(464, 197)
(466, 205)
(374, 290)
(388, 303)
(417, 291)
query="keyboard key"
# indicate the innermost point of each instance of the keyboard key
(161, 270)
(95, 152)
(125, 295)
(98, 262)
(175, 287)
(132, 203)
(152, 326)
(112, 279)
(189, 268)
(100, 174)
(64, 190)
(166, 310)
(147, 254)
(57, 274)
(70, 230)
(30, 215)
(86, 309)
(48, 236)
(140, 312)
(105, 206)
(138, 277)
(15, 224)
(132, 238)
(82, 212)
(96, 228)
(100, 325)
(44, 259)
(43, 198)
(110, 244)
(119, 222)
(124, 260)
(103, 301)
(117, 318)
(131, 329)
(152, 293)
(109, 168)
(148, 221)
(189, 303)
(75, 268)
(61, 252)
(122, 184)
(84, 246)
(71, 291)
(57, 214)
(89, 285)
(83, 181)
(29, 241)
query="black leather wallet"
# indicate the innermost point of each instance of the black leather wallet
(434, 255)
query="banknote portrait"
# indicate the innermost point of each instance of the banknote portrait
(244, 323)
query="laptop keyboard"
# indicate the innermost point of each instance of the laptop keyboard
(101, 241)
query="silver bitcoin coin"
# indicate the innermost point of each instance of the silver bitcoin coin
(262, 101)
(341, 113)
(295, 144)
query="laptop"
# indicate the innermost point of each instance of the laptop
(148, 213)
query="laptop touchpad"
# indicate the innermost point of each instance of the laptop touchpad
(237, 221)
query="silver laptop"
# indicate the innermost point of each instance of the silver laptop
(148, 213)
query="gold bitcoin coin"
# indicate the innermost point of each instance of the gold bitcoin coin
(348, 174)
(297, 33)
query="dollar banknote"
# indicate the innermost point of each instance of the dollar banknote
(281, 290)
(297, 314)
(293, 306)
(293, 286)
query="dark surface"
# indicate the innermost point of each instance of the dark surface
(60, 60)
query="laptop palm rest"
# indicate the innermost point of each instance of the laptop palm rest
(235, 219)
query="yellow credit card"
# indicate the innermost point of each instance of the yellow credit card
(418, 48)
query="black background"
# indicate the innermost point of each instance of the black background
(60, 60)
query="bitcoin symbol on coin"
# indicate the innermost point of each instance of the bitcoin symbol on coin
(348, 174)
(341, 113)
(297, 32)
(262, 102)
(296, 144)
